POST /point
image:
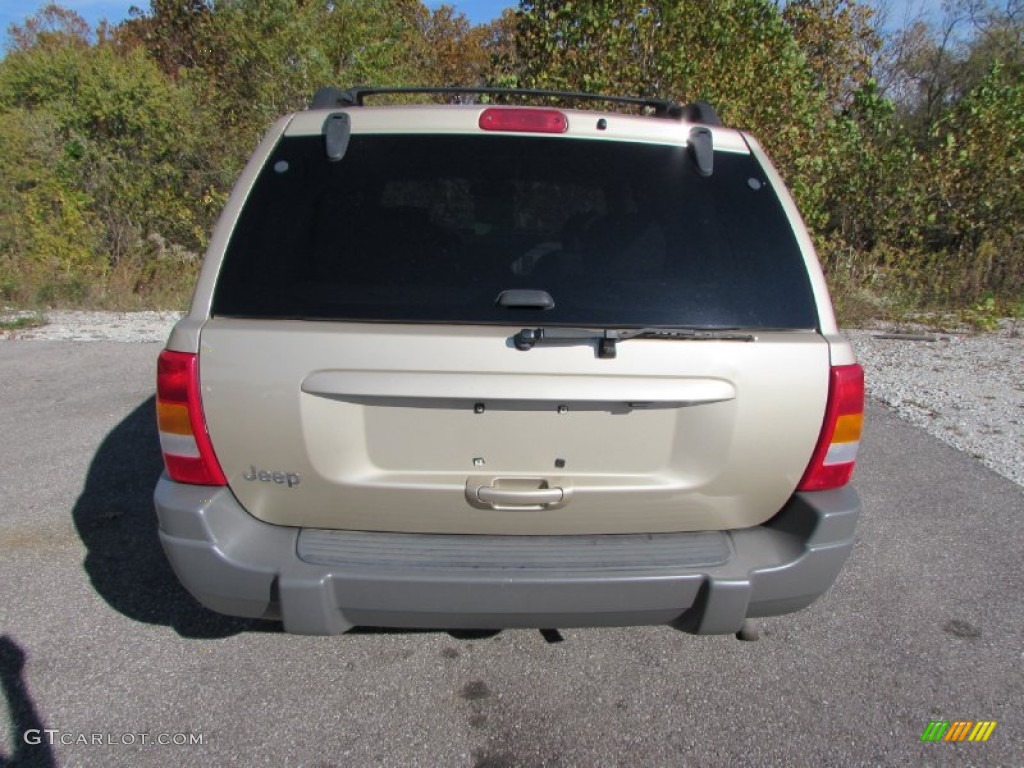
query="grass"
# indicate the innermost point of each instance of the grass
(21, 321)
(859, 307)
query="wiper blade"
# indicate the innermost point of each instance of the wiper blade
(608, 338)
(692, 334)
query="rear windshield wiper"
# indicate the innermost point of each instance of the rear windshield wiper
(608, 338)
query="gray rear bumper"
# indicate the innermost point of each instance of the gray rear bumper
(326, 582)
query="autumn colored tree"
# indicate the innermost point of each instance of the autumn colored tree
(840, 44)
(451, 50)
(51, 28)
(108, 154)
(118, 146)
(740, 55)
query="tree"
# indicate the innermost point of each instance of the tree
(840, 44)
(451, 51)
(249, 61)
(49, 237)
(175, 33)
(975, 211)
(958, 112)
(740, 55)
(115, 151)
(51, 28)
(118, 146)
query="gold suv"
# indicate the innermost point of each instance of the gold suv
(483, 365)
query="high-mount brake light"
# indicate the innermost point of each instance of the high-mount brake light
(188, 453)
(834, 457)
(524, 120)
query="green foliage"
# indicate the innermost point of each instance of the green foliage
(984, 315)
(21, 321)
(942, 227)
(48, 235)
(118, 147)
(250, 61)
(897, 223)
(839, 43)
(126, 147)
(106, 154)
(976, 204)
(740, 55)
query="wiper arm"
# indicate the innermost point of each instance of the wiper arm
(607, 338)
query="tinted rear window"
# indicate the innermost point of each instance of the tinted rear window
(434, 228)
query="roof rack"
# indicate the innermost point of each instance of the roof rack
(327, 98)
(700, 112)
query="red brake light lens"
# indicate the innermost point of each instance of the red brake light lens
(835, 456)
(524, 120)
(188, 453)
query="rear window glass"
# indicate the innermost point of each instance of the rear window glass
(433, 228)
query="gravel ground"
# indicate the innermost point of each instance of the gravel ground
(966, 389)
(67, 325)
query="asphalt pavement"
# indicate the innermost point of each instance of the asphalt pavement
(106, 661)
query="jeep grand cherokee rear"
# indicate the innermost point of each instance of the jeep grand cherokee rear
(489, 366)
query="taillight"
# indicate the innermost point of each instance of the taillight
(524, 120)
(836, 453)
(188, 453)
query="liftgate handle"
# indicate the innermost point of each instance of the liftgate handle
(519, 497)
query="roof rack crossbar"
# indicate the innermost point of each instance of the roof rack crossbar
(354, 97)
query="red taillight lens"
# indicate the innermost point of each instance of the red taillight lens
(835, 455)
(188, 453)
(524, 120)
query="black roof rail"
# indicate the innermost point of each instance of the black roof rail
(327, 98)
(700, 112)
